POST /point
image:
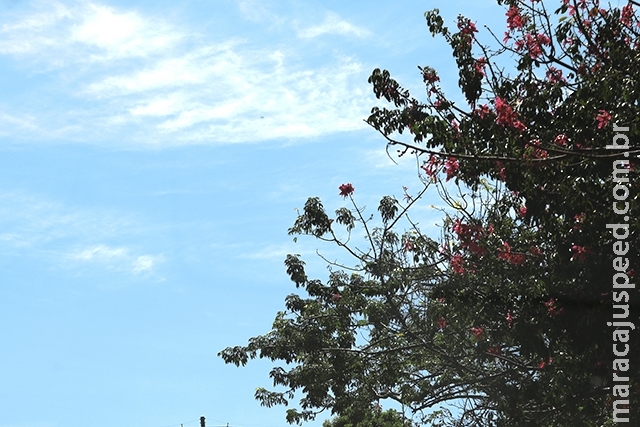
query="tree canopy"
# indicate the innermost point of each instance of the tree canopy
(523, 309)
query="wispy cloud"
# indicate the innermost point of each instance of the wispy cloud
(117, 258)
(62, 235)
(333, 24)
(143, 80)
(82, 31)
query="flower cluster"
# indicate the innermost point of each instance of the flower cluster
(346, 190)
(451, 167)
(555, 76)
(579, 252)
(603, 118)
(561, 140)
(469, 237)
(480, 65)
(514, 19)
(431, 166)
(533, 44)
(457, 263)
(506, 116)
(477, 331)
(511, 257)
(467, 27)
(626, 15)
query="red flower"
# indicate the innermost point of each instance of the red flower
(479, 65)
(467, 27)
(603, 118)
(346, 190)
(408, 246)
(482, 110)
(555, 76)
(441, 322)
(522, 212)
(495, 350)
(336, 297)
(552, 308)
(626, 15)
(507, 255)
(477, 331)
(579, 252)
(431, 166)
(544, 363)
(509, 318)
(457, 263)
(451, 167)
(561, 140)
(514, 19)
(506, 116)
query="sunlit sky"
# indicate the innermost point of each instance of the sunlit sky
(152, 157)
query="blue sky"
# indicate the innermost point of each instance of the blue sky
(152, 157)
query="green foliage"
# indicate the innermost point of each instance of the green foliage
(501, 319)
(374, 417)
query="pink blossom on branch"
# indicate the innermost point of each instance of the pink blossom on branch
(451, 167)
(457, 263)
(603, 118)
(506, 115)
(579, 252)
(514, 19)
(480, 65)
(477, 331)
(346, 190)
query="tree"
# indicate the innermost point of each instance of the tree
(375, 417)
(502, 319)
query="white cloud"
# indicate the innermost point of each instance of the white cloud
(119, 258)
(62, 235)
(333, 24)
(84, 31)
(138, 79)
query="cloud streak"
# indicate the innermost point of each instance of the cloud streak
(46, 229)
(145, 81)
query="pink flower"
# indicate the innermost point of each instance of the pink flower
(457, 263)
(431, 166)
(477, 331)
(441, 322)
(555, 76)
(509, 318)
(451, 167)
(514, 19)
(544, 363)
(482, 111)
(336, 297)
(533, 44)
(513, 258)
(429, 76)
(480, 64)
(495, 350)
(561, 140)
(626, 15)
(522, 212)
(552, 307)
(579, 252)
(467, 27)
(346, 190)
(603, 118)
(506, 116)
(408, 246)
